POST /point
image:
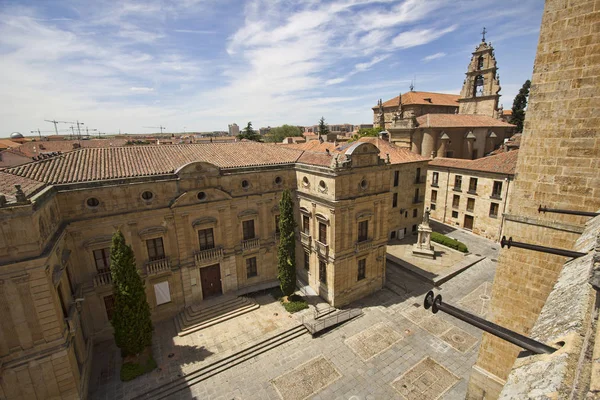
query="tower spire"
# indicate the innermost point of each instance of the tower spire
(483, 32)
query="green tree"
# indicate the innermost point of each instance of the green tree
(286, 252)
(277, 135)
(131, 315)
(519, 105)
(323, 128)
(366, 132)
(250, 134)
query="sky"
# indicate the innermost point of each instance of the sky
(199, 65)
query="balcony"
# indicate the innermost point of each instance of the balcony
(363, 246)
(457, 189)
(305, 239)
(102, 279)
(208, 255)
(418, 200)
(250, 244)
(322, 248)
(496, 196)
(158, 266)
(420, 179)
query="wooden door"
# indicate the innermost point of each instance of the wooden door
(468, 222)
(211, 281)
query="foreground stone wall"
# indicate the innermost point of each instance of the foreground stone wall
(558, 166)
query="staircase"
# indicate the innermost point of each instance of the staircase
(198, 317)
(169, 389)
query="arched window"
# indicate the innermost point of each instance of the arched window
(480, 62)
(478, 86)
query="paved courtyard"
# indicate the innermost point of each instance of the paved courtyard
(395, 350)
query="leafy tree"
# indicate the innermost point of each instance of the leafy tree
(131, 315)
(366, 132)
(323, 128)
(281, 132)
(250, 134)
(286, 253)
(519, 105)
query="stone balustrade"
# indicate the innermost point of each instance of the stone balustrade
(363, 246)
(102, 278)
(305, 239)
(250, 244)
(208, 255)
(322, 248)
(157, 266)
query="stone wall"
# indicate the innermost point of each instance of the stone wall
(558, 166)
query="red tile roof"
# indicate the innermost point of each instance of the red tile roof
(31, 149)
(504, 163)
(8, 182)
(92, 164)
(424, 98)
(8, 144)
(460, 121)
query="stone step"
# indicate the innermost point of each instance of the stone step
(190, 321)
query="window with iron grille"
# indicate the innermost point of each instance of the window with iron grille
(322, 271)
(102, 259)
(473, 185)
(435, 178)
(433, 196)
(494, 207)
(363, 231)
(251, 267)
(307, 260)
(362, 268)
(454, 214)
(455, 201)
(156, 250)
(306, 224)
(432, 206)
(457, 182)
(248, 229)
(322, 233)
(206, 239)
(470, 205)
(497, 190)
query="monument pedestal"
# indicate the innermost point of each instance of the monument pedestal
(423, 247)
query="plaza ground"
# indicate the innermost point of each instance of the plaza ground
(395, 350)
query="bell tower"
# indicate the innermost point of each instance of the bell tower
(479, 94)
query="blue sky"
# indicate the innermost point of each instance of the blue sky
(199, 65)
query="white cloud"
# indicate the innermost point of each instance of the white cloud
(418, 37)
(141, 89)
(433, 57)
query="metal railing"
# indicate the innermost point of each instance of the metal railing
(157, 266)
(315, 326)
(364, 245)
(102, 278)
(542, 249)
(570, 212)
(250, 244)
(420, 179)
(436, 304)
(419, 199)
(203, 256)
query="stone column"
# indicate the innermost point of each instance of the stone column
(470, 148)
(444, 139)
(427, 143)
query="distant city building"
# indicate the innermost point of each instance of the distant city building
(263, 131)
(234, 129)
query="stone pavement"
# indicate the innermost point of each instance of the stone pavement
(396, 350)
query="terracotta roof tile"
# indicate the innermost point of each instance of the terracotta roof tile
(437, 99)
(503, 163)
(459, 121)
(8, 144)
(92, 164)
(31, 149)
(8, 182)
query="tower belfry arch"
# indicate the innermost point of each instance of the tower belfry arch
(480, 91)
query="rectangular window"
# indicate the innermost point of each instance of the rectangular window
(206, 239)
(248, 228)
(470, 205)
(396, 178)
(63, 304)
(156, 250)
(414, 228)
(432, 206)
(457, 182)
(251, 267)
(306, 224)
(416, 199)
(418, 177)
(494, 207)
(277, 224)
(322, 271)
(102, 259)
(362, 269)
(393, 235)
(395, 200)
(434, 180)
(454, 214)
(322, 233)
(363, 231)
(162, 293)
(497, 190)
(415, 213)
(472, 185)
(307, 260)
(455, 201)
(109, 305)
(434, 196)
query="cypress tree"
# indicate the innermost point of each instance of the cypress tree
(323, 129)
(519, 104)
(131, 315)
(286, 253)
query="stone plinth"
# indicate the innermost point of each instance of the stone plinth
(423, 247)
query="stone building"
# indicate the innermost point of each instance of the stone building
(471, 194)
(558, 167)
(466, 126)
(233, 129)
(201, 220)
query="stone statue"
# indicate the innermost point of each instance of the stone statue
(426, 216)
